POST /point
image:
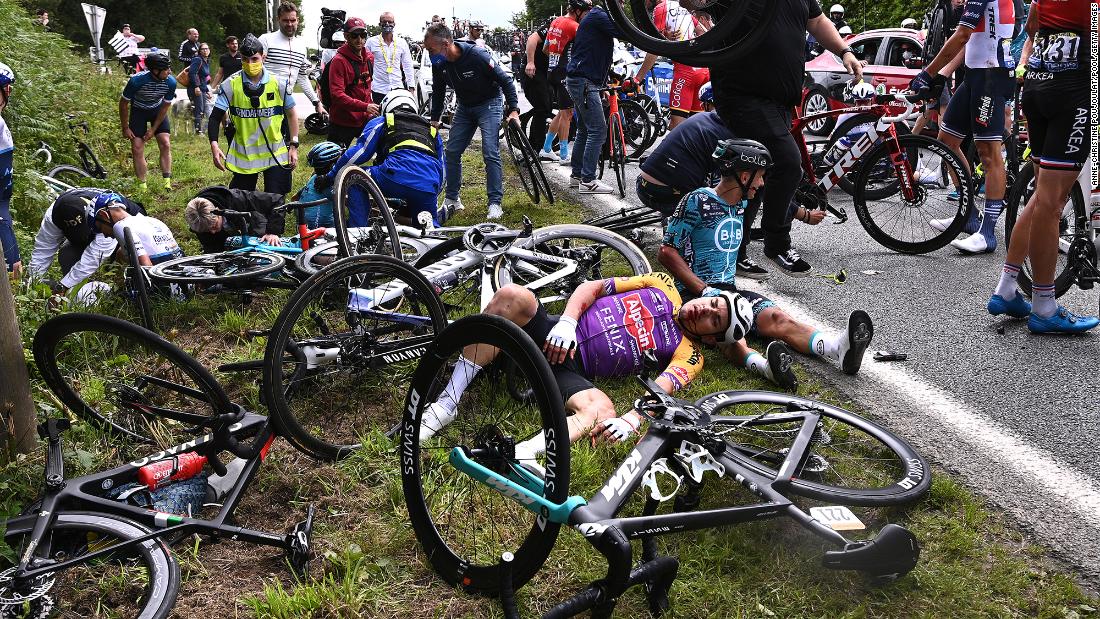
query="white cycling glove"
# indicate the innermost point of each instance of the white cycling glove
(564, 334)
(621, 428)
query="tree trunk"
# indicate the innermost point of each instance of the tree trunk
(16, 408)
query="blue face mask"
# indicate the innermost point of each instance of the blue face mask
(437, 58)
(387, 29)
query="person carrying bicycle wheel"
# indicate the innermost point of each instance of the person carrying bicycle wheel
(700, 248)
(606, 330)
(676, 23)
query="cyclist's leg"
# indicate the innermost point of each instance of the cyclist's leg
(138, 125)
(463, 125)
(164, 144)
(988, 123)
(11, 247)
(565, 104)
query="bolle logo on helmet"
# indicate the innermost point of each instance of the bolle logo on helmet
(639, 322)
(755, 160)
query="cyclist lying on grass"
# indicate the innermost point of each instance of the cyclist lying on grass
(612, 323)
(213, 230)
(700, 249)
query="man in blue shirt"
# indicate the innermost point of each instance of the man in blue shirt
(7, 150)
(143, 111)
(477, 81)
(585, 74)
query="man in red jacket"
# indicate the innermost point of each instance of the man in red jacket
(349, 78)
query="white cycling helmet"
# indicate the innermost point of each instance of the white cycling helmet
(741, 317)
(909, 22)
(836, 8)
(7, 76)
(397, 99)
(862, 91)
(844, 31)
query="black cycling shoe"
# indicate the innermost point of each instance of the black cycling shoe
(781, 363)
(860, 332)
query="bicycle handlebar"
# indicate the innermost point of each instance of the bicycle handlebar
(235, 214)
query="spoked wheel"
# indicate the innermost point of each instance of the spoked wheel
(342, 349)
(1073, 225)
(636, 128)
(136, 281)
(557, 259)
(126, 379)
(515, 438)
(226, 267)
(850, 460)
(618, 154)
(880, 185)
(364, 223)
(70, 175)
(902, 224)
(523, 158)
(140, 580)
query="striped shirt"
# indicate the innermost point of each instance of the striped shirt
(147, 92)
(286, 58)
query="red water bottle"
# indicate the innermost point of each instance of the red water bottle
(176, 468)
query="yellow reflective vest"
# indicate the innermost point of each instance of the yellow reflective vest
(258, 142)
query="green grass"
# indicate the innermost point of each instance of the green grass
(973, 563)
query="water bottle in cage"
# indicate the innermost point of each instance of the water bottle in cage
(176, 468)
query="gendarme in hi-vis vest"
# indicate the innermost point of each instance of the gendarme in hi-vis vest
(258, 143)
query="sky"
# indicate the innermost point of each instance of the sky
(410, 15)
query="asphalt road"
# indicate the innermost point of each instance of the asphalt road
(1014, 415)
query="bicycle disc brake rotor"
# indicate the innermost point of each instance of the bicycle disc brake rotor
(11, 601)
(127, 397)
(1082, 255)
(477, 239)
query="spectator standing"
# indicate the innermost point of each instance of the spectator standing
(261, 108)
(477, 82)
(349, 84)
(190, 47)
(517, 55)
(285, 54)
(7, 153)
(754, 96)
(476, 31)
(199, 74)
(143, 111)
(536, 84)
(586, 73)
(393, 65)
(129, 54)
(228, 63)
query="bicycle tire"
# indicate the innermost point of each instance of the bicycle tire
(354, 374)
(138, 286)
(70, 175)
(847, 445)
(914, 146)
(632, 260)
(70, 535)
(226, 267)
(540, 175)
(636, 127)
(316, 258)
(131, 373)
(380, 237)
(936, 37)
(425, 473)
(90, 162)
(846, 183)
(1074, 220)
(521, 160)
(644, 34)
(618, 154)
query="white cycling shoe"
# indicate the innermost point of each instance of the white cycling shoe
(974, 244)
(435, 418)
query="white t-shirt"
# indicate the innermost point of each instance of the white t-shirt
(152, 238)
(389, 63)
(131, 42)
(286, 58)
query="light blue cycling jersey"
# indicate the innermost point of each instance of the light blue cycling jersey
(707, 231)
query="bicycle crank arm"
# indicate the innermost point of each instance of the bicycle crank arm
(518, 492)
(839, 212)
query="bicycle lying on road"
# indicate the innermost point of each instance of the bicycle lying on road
(100, 543)
(485, 514)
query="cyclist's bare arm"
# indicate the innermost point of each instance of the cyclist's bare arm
(951, 48)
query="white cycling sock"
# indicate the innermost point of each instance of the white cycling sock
(828, 346)
(1043, 302)
(756, 362)
(1006, 288)
(464, 372)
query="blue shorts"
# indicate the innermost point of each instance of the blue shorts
(11, 247)
(140, 120)
(978, 105)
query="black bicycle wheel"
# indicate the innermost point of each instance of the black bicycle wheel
(1073, 224)
(136, 282)
(937, 32)
(379, 234)
(902, 224)
(851, 461)
(464, 525)
(877, 189)
(523, 161)
(618, 154)
(141, 580)
(70, 175)
(316, 258)
(591, 254)
(126, 379)
(342, 349)
(226, 267)
(636, 128)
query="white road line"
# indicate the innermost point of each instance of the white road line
(987, 438)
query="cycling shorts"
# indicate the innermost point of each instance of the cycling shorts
(978, 106)
(11, 247)
(141, 119)
(1058, 127)
(569, 374)
(561, 94)
(683, 97)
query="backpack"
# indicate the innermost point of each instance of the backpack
(356, 67)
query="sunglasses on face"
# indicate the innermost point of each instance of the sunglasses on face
(356, 35)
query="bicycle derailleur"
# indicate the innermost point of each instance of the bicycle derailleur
(299, 544)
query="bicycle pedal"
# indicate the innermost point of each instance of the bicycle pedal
(299, 543)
